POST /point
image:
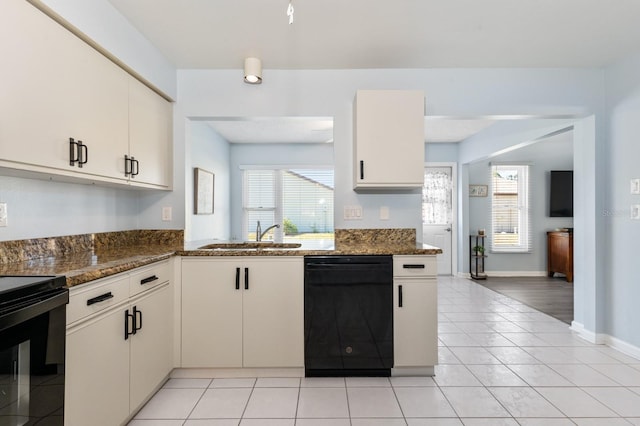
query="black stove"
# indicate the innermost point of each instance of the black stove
(23, 297)
(32, 349)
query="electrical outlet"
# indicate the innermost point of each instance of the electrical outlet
(166, 214)
(3, 214)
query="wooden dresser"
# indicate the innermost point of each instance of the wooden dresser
(560, 253)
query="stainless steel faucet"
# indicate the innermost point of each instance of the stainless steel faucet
(260, 234)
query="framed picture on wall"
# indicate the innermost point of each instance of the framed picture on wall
(478, 190)
(203, 190)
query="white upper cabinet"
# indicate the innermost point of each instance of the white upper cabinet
(150, 126)
(388, 139)
(57, 88)
(67, 110)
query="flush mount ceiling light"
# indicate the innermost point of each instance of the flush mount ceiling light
(252, 71)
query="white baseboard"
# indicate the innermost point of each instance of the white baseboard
(506, 274)
(605, 339)
(587, 335)
(195, 373)
(516, 273)
(622, 346)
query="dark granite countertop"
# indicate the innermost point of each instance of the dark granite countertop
(82, 267)
(88, 262)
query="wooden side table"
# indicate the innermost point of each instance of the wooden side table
(560, 253)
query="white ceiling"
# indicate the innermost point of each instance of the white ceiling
(333, 34)
(339, 34)
(320, 129)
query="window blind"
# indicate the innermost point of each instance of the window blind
(300, 200)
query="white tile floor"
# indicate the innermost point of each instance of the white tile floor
(501, 363)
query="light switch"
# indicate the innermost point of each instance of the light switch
(352, 212)
(166, 214)
(635, 186)
(635, 212)
(384, 213)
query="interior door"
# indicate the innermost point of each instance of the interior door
(437, 214)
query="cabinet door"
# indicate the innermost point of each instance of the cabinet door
(150, 124)
(57, 88)
(152, 345)
(211, 313)
(97, 372)
(273, 313)
(415, 322)
(389, 139)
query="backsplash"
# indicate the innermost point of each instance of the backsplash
(399, 238)
(38, 248)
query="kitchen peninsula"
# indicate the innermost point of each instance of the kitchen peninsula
(174, 286)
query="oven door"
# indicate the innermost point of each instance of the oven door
(32, 366)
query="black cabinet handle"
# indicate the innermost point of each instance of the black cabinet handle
(413, 266)
(361, 169)
(127, 333)
(149, 279)
(237, 278)
(399, 296)
(99, 299)
(83, 154)
(246, 278)
(73, 152)
(135, 170)
(127, 166)
(137, 319)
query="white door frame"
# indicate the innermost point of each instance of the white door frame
(454, 211)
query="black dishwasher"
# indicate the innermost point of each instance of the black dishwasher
(348, 315)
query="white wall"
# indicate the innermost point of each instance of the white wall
(39, 208)
(553, 153)
(441, 152)
(209, 151)
(207, 93)
(621, 295)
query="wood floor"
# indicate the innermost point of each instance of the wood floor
(553, 296)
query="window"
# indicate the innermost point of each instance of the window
(436, 196)
(299, 200)
(510, 217)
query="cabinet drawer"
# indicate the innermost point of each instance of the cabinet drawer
(96, 296)
(414, 266)
(148, 277)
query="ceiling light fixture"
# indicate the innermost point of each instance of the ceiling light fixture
(252, 71)
(290, 12)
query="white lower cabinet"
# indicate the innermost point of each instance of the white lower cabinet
(242, 312)
(415, 314)
(97, 373)
(119, 350)
(151, 352)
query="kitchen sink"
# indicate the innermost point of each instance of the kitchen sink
(251, 245)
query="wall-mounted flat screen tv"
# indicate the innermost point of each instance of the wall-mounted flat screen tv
(561, 193)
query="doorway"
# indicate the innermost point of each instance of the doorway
(439, 210)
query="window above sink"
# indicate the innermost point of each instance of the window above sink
(300, 200)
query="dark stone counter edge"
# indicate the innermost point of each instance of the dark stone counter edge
(126, 263)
